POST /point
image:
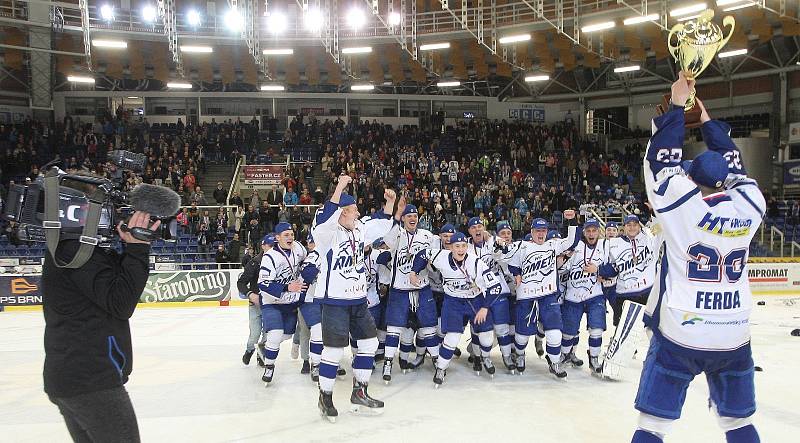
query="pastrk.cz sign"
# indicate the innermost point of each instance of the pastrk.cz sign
(20, 290)
(262, 174)
(188, 286)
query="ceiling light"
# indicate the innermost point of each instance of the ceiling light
(395, 19)
(276, 23)
(727, 2)
(732, 53)
(116, 44)
(133, 98)
(641, 19)
(179, 85)
(234, 20)
(149, 14)
(107, 12)
(287, 51)
(366, 87)
(79, 79)
(313, 19)
(432, 46)
(537, 78)
(514, 39)
(361, 50)
(448, 84)
(193, 17)
(273, 88)
(742, 6)
(356, 19)
(688, 17)
(630, 68)
(197, 49)
(598, 27)
(697, 7)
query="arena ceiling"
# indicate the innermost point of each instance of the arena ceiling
(576, 63)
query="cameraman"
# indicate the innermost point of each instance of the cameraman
(87, 338)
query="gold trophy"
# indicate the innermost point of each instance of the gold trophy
(698, 41)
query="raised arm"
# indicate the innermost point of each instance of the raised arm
(573, 237)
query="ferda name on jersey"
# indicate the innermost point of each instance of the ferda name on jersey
(717, 301)
(725, 226)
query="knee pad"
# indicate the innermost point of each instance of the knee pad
(394, 330)
(655, 425)
(316, 332)
(368, 345)
(501, 330)
(595, 333)
(275, 337)
(426, 332)
(553, 337)
(451, 340)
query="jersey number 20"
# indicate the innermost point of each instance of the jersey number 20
(708, 264)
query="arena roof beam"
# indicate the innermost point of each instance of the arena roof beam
(252, 33)
(166, 10)
(87, 44)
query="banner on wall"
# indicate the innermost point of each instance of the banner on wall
(794, 133)
(529, 113)
(262, 174)
(189, 286)
(791, 172)
(20, 290)
(774, 277)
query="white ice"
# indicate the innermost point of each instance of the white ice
(188, 384)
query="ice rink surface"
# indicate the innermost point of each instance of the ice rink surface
(189, 385)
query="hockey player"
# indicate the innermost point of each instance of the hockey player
(504, 232)
(585, 295)
(534, 268)
(470, 287)
(310, 308)
(612, 230)
(700, 305)
(632, 261)
(436, 282)
(488, 248)
(404, 298)
(280, 287)
(342, 290)
(376, 260)
(609, 282)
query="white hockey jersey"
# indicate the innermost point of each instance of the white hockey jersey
(635, 261)
(278, 269)
(371, 261)
(582, 286)
(701, 300)
(404, 246)
(342, 276)
(312, 259)
(467, 279)
(489, 252)
(537, 266)
(434, 276)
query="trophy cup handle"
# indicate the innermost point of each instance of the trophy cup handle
(727, 21)
(674, 49)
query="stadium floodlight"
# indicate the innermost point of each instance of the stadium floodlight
(234, 20)
(640, 19)
(742, 6)
(364, 87)
(107, 12)
(133, 98)
(113, 44)
(448, 84)
(356, 19)
(273, 88)
(598, 27)
(689, 9)
(732, 53)
(357, 50)
(179, 85)
(193, 17)
(80, 79)
(537, 78)
(514, 39)
(434, 46)
(276, 23)
(313, 20)
(149, 14)
(197, 49)
(688, 17)
(628, 68)
(727, 2)
(278, 51)
(395, 19)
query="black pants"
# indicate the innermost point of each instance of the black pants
(102, 416)
(339, 323)
(616, 306)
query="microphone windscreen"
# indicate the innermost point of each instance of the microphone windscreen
(158, 201)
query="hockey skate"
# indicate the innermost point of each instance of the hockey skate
(306, 367)
(438, 378)
(456, 353)
(326, 408)
(417, 362)
(387, 370)
(248, 354)
(341, 372)
(520, 363)
(556, 368)
(572, 359)
(361, 403)
(537, 343)
(314, 373)
(260, 356)
(476, 364)
(594, 365)
(269, 371)
(489, 366)
(510, 364)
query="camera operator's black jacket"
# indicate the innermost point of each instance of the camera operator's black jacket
(248, 280)
(87, 338)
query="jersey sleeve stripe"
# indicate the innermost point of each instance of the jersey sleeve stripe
(679, 201)
(662, 190)
(758, 210)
